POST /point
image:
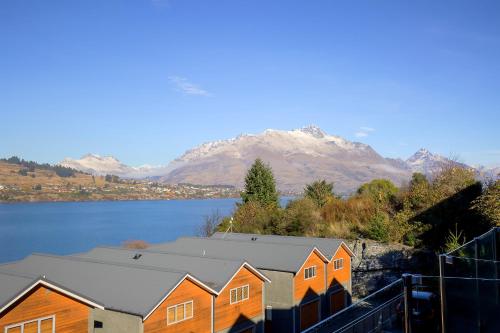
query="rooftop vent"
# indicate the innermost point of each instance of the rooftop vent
(137, 256)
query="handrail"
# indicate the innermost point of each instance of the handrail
(361, 301)
(354, 322)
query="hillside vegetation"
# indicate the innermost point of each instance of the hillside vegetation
(437, 213)
(22, 181)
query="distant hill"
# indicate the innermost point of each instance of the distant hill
(108, 165)
(425, 162)
(22, 181)
(297, 157)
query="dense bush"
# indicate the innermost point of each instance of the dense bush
(420, 213)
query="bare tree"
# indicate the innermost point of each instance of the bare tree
(210, 223)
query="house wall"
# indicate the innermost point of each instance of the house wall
(202, 311)
(307, 290)
(229, 315)
(341, 276)
(313, 287)
(279, 295)
(115, 322)
(71, 316)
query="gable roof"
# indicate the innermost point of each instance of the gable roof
(271, 256)
(11, 284)
(125, 288)
(328, 246)
(213, 272)
(14, 286)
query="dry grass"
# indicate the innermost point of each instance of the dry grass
(346, 218)
(135, 244)
(9, 176)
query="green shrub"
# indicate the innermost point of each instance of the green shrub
(378, 228)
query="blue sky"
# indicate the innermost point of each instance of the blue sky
(146, 80)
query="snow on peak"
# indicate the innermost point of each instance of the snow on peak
(313, 130)
(423, 156)
(309, 140)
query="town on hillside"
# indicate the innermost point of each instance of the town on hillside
(26, 181)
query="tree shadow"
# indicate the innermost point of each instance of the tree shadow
(453, 212)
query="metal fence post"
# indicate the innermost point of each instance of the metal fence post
(478, 302)
(407, 283)
(442, 258)
(495, 267)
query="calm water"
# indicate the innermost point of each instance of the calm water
(71, 227)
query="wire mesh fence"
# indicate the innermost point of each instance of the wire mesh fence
(471, 286)
(463, 298)
(377, 311)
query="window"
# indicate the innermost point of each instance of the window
(239, 294)
(42, 325)
(310, 272)
(179, 312)
(338, 264)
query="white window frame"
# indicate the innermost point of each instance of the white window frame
(175, 312)
(38, 320)
(338, 264)
(236, 291)
(313, 273)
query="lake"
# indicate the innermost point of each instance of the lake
(72, 227)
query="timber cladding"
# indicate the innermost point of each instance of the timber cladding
(70, 316)
(185, 292)
(310, 286)
(342, 275)
(227, 314)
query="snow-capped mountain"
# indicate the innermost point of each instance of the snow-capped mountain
(104, 165)
(488, 173)
(425, 162)
(297, 157)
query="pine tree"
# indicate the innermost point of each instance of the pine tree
(319, 192)
(260, 185)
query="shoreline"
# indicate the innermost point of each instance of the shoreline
(111, 200)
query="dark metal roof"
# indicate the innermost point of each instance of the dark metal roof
(271, 256)
(214, 272)
(328, 246)
(125, 288)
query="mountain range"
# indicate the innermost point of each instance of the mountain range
(297, 157)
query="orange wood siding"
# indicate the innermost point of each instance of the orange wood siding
(313, 286)
(71, 316)
(340, 276)
(185, 292)
(227, 314)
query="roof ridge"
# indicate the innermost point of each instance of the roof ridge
(310, 247)
(17, 274)
(173, 253)
(242, 261)
(283, 236)
(112, 263)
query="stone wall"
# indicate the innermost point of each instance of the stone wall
(378, 264)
